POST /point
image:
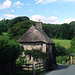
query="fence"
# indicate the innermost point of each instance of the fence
(32, 68)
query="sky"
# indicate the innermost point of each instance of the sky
(48, 11)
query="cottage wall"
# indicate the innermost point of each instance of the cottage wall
(49, 48)
(37, 46)
(44, 47)
(30, 46)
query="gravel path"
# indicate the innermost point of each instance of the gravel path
(63, 70)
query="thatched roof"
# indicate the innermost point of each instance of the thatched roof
(35, 35)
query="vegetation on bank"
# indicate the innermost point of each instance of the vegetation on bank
(65, 43)
(73, 44)
(63, 53)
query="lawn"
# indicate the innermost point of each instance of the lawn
(65, 43)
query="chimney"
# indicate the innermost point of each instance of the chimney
(39, 24)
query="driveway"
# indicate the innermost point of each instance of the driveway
(63, 70)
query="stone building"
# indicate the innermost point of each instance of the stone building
(35, 38)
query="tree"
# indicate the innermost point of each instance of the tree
(61, 51)
(73, 44)
(64, 31)
(19, 29)
(9, 52)
(17, 26)
(72, 29)
(3, 27)
(16, 20)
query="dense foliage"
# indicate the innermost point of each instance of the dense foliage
(3, 27)
(19, 25)
(37, 54)
(63, 31)
(62, 51)
(73, 44)
(45, 57)
(16, 20)
(19, 29)
(21, 60)
(9, 52)
(62, 59)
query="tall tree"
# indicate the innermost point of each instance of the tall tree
(73, 44)
(16, 20)
(64, 31)
(72, 29)
(19, 29)
(3, 27)
(9, 52)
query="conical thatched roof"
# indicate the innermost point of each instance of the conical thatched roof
(35, 35)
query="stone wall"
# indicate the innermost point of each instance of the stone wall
(31, 46)
(44, 47)
(35, 46)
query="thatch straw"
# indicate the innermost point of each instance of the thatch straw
(35, 35)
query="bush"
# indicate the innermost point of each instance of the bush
(62, 51)
(73, 44)
(9, 52)
(21, 60)
(61, 59)
(63, 54)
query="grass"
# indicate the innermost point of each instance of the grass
(65, 43)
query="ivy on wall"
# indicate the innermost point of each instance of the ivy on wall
(37, 54)
(46, 57)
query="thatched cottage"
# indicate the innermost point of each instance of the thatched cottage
(35, 38)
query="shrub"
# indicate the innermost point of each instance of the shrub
(73, 44)
(61, 59)
(62, 51)
(9, 52)
(21, 60)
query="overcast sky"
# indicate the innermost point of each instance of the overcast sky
(48, 11)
